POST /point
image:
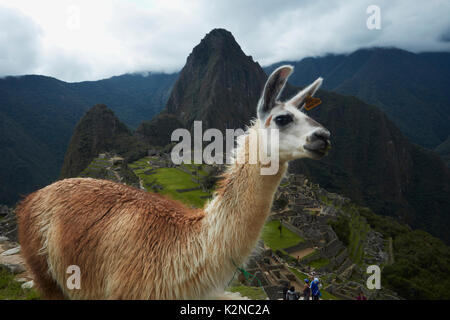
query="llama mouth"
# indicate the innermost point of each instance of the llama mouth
(318, 148)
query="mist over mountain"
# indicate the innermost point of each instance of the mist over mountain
(413, 89)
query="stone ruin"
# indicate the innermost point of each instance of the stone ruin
(8, 223)
(271, 273)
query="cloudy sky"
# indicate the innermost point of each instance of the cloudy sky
(87, 40)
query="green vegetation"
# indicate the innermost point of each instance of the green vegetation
(271, 236)
(328, 296)
(341, 227)
(358, 233)
(300, 275)
(421, 267)
(310, 255)
(157, 131)
(170, 179)
(99, 130)
(98, 169)
(352, 231)
(254, 293)
(11, 289)
(319, 263)
(421, 261)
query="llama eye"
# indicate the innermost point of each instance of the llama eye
(283, 120)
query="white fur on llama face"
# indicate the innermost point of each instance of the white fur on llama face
(299, 135)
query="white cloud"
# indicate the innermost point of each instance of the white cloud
(19, 42)
(118, 36)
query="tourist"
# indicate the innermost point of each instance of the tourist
(361, 296)
(306, 290)
(285, 290)
(291, 294)
(315, 291)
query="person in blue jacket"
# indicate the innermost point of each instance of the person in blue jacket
(315, 290)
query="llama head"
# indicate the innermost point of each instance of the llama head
(299, 135)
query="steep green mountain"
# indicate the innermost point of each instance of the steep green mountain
(157, 132)
(411, 88)
(133, 97)
(371, 160)
(99, 131)
(28, 162)
(219, 84)
(38, 115)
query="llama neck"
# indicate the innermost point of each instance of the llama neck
(235, 217)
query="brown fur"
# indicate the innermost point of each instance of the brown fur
(130, 244)
(86, 215)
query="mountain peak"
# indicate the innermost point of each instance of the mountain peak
(99, 130)
(217, 43)
(220, 33)
(218, 38)
(219, 84)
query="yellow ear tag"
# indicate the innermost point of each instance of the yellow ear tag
(311, 102)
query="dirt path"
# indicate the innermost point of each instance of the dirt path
(302, 253)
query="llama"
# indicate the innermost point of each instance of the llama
(132, 244)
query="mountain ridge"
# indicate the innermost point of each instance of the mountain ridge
(411, 88)
(44, 111)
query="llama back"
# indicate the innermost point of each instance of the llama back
(118, 236)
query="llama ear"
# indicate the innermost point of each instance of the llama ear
(299, 99)
(272, 90)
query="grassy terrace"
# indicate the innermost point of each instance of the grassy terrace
(171, 179)
(254, 293)
(358, 233)
(300, 275)
(271, 236)
(11, 289)
(319, 263)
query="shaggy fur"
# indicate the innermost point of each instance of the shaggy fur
(131, 244)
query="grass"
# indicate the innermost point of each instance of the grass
(171, 179)
(12, 290)
(328, 296)
(254, 293)
(358, 233)
(271, 236)
(300, 275)
(315, 252)
(319, 263)
(194, 167)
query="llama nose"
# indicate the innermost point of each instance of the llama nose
(321, 134)
(318, 143)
